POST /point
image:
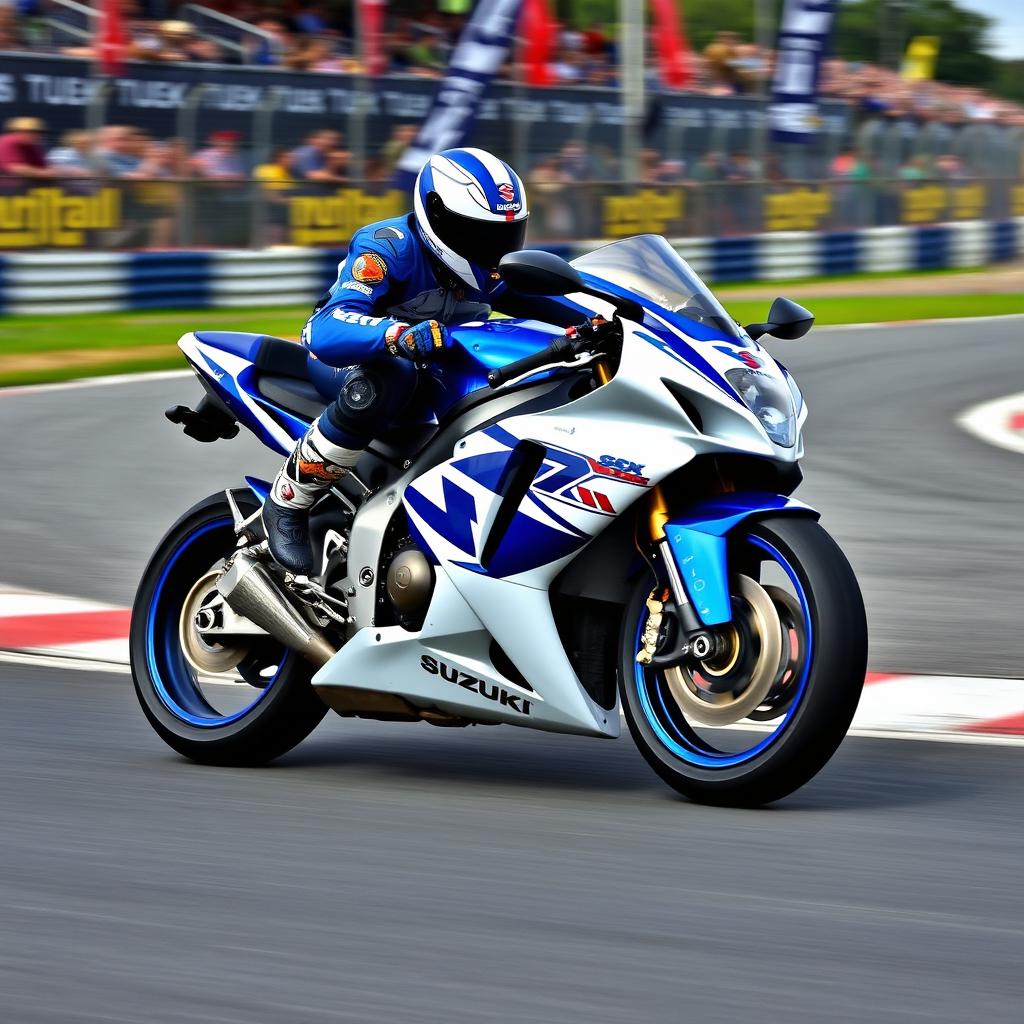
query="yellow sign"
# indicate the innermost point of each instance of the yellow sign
(648, 211)
(799, 209)
(969, 201)
(919, 62)
(923, 204)
(1017, 201)
(335, 218)
(45, 217)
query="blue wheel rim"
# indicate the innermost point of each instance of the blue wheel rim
(172, 678)
(653, 696)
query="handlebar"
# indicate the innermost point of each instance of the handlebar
(558, 351)
(575, 340)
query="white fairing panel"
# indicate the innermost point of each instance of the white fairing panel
(598, 454)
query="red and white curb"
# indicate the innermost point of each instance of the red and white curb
(69, 627)
(72, 633)
(999, 422)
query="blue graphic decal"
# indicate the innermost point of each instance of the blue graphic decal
(454, 522)
(694, 361)
(560, 470)
(528, 544)
(555, 516)
(502, 436)
(487, 470)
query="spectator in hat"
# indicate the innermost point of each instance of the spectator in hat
(221, 158)
(21, 149)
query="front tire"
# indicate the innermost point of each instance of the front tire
(272, 706)
(813, 707)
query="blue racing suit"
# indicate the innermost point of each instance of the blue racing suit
(348, 333)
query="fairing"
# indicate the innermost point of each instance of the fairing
(507, 496)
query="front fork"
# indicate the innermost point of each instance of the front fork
(694, 642)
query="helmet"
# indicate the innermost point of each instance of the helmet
(470, 210)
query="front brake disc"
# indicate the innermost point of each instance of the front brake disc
(702, 707)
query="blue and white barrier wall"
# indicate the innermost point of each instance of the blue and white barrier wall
(75, 282)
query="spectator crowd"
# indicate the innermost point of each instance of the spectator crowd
(417, 38)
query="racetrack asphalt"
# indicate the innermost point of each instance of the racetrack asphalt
(395, 873)
(929, 516)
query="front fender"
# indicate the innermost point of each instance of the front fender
(698, 542)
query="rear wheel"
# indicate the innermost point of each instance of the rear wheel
(766, 713)
(235, 699)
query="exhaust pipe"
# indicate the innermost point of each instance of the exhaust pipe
(249, 590)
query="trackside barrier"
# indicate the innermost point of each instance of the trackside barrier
(74, 282)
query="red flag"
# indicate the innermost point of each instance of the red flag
(371, 13)
(538, 31)
(110, 37)
(673, 49)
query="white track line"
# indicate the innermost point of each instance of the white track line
(991, 422)
(56, 661)
(95, 382)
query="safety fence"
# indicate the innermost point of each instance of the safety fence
(110, 214)
(81, 282)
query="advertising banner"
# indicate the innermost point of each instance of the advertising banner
(165, 100)
(804, 34)
(478, 56)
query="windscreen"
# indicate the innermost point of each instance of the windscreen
(648, 266)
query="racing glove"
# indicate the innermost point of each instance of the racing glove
(422, 342)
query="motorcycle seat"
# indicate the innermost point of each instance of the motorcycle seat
(291, 394)
(282, 358)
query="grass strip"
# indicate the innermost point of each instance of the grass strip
(104, 343)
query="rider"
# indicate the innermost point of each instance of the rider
(401, 282)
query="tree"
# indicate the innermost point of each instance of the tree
(863, 26)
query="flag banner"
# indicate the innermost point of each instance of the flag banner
(478, 56)
(670, 40)
(371, 14)
(539, 33)
(110, 38)
(804, 35)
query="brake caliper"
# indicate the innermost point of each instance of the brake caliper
(652, 630)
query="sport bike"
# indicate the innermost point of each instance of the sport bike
(582, 526)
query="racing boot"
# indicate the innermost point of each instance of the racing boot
(311, 469)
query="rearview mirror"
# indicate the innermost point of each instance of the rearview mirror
(786, 320)
(535, 272)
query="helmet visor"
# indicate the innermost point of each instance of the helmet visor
(481, 242)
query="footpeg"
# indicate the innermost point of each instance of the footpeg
(207, 422)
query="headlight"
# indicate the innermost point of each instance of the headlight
(770, 400)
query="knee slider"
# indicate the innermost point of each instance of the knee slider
(358, 406)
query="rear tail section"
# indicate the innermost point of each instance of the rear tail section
(252, 380)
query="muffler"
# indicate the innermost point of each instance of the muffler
(249, 590)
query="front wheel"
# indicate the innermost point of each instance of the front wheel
(765, 715)
(239, 699)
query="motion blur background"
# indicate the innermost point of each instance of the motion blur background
(167, 167)
(288, 119)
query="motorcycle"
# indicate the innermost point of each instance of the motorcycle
(588, 525)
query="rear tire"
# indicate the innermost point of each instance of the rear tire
(283, 712)
(820, 716)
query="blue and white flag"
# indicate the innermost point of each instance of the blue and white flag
(804, 35)
(477, 58)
